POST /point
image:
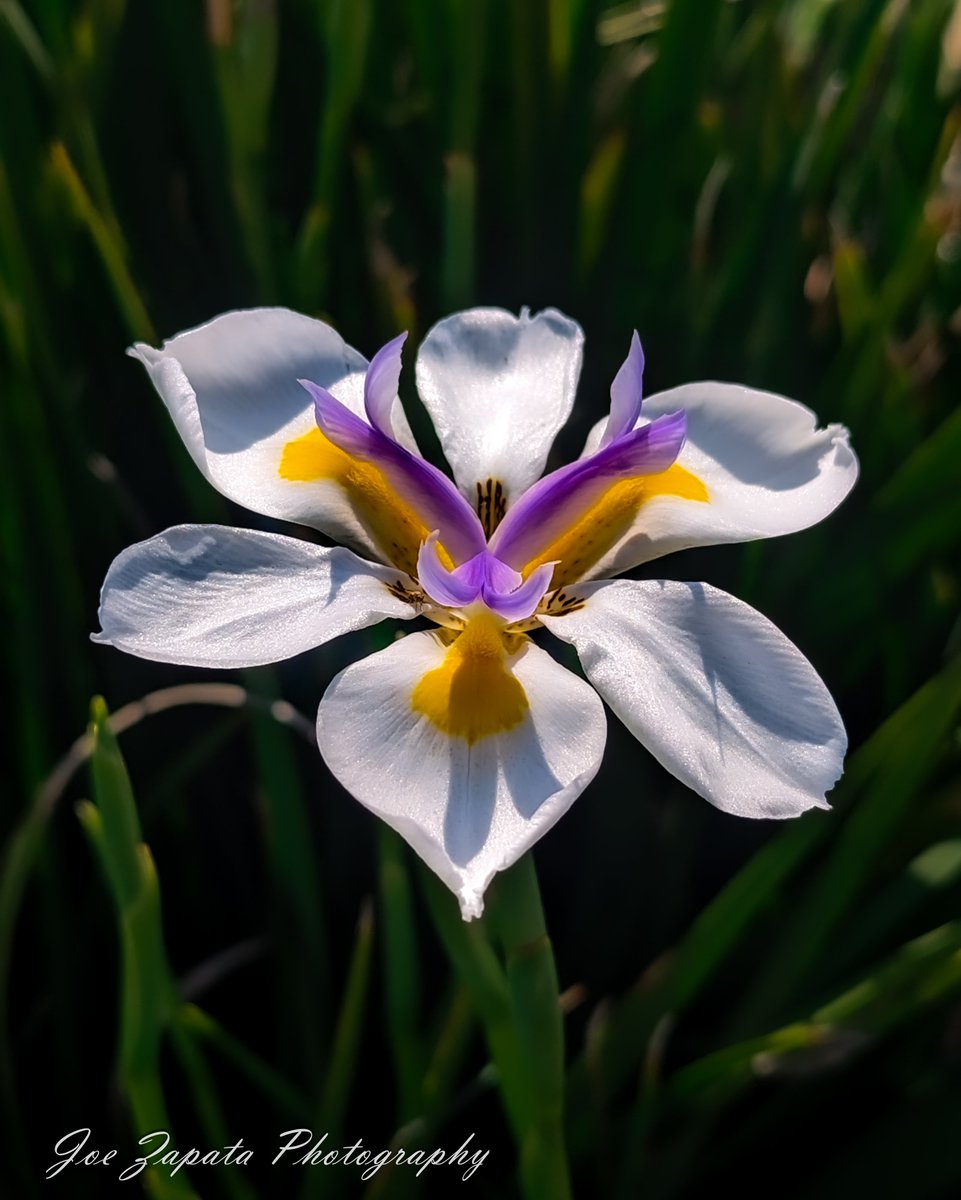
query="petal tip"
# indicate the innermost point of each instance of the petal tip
(143, 352)
(471, 903)
(840, 444)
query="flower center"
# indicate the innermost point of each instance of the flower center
(483, 579)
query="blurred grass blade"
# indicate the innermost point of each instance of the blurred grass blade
(274, 1087)
(936, 870)
(477, 967)
(147, 990)
(566, 23)
(342, 1072)
(299, 921)
(924, 972)
(855, 303)
(894, 763)
(468, 27)
(26, 35)
(206, 1102)
(113, 253)
(453, 1038)
(887, 774)
(243, 40)
(517, 916)
(460, 192)
(346, 32)
(402, 996)
(597, 197)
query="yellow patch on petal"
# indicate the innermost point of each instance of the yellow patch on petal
(472, 694)
(609, 518)
(391, 523)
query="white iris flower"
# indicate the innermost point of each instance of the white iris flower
(470, 740)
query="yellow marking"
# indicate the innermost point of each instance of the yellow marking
(391, 523)
(609, 518)
(472, 694)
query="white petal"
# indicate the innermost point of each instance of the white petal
(717, 693)
(498, 388)
(211, 596)
(467, 810)
(231, 388)
(767, 468)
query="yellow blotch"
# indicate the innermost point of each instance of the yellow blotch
(472, 694)
(603, 525)
(391, 523)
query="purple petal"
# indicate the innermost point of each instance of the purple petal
(558, 500)
(627, 391)
(380, 385)
(485, 578)
(522, 601)
(499, 576)
(453, 589)
(428, 491)
(339, 425)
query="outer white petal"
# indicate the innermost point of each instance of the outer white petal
(498, 388)
(231, 388)
(468, 811)
(211, 596)
(717, 693)
(767, 467)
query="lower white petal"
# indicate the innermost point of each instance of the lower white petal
(211, 596)
(468, 809)
(717, 693)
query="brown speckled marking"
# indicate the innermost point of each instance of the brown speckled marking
(562, 602)
(408, 595)
(491, 504)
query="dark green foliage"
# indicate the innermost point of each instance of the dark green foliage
(770, 192)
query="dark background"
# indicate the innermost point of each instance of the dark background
(770, 193)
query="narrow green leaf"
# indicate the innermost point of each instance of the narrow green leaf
(299, 920)
(517, 916)
(478, 969)
(347, 29)
(401, 973)
(113, 253)
(147, 994)
(922, 973)
(348, 1038)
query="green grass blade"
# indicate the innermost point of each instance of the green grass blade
(517, 917)
(348, 1037)
(146, 990)
(403, 1001)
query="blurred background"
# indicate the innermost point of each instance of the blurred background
(771, 194)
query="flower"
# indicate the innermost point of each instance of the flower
(470, 739)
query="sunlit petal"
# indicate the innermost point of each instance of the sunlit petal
(210, 596)
(717, 693)
(498, 388)
(231, 388)
(763, 466)
(471, 756)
